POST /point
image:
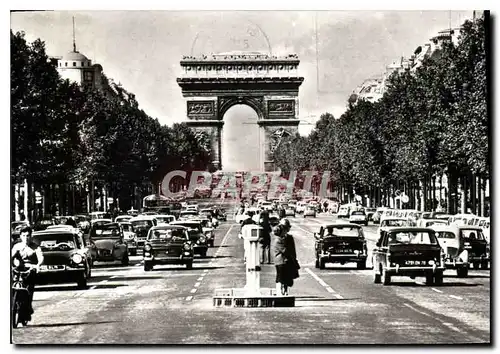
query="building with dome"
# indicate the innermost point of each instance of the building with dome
(76, 67)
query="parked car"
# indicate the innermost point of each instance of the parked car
(340, 243)
(66, 257)
(408, 251)
(455, 256)
(358, 217)
(196, 235)
(130, 237)
(110, 243)
(168, 244)
(310, 210)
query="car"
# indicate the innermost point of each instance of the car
(110, 243)
(265, 205)
(100, 222)
(251, 211)
(196, 235)
(192, 207)
(168, 244)
(164, 219)
(221, 215)
(41, 225)
(378, 215)
(141, 225)
(475, 243)
(208, 230)
(408, 251)
(369, 213)
(293, 204)
(187, 214)
(97, 215)
(340, 243)
(431, 222)
(344, 211)
(289, 211)
(300, 207)
(66, 258)
(358, 217)
(454, 254)
(309, 211)
(389, 222)
(130, 237)
(122, 218)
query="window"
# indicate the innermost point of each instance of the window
(74, 63)
(88, 76)
(66, 64)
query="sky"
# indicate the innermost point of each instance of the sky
(338, 50)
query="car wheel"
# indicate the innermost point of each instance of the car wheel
(189, 265)
(377, 278)
(82, 282)
(386, 277)
(125, 260)
(438, 278)
(429, 279)
(462, 272)
(361, 265)
(316, 264)
(322, 264)
(484, 265)
(476, 265)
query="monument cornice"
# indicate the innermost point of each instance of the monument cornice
(240, 80)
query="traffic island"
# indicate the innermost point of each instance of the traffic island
(252, 295)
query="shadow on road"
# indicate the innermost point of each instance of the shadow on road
(445, 284)
(469, 276)
(114, 266)
(135, 278)
(48, 325)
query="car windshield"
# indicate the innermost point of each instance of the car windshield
(80, 218)
(188, 212)
(106, 232)
(409, 237)
(358, 213)
(445, 234)
(160, 234)
(165, 219)
(55, 242)
(394, 223)
(436, 222)
(344, 231)
(142, 223)
(472, 234)
(191, 226)
(127, 227)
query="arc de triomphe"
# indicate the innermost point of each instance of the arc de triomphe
(268, 84)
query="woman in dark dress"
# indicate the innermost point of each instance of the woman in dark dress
(285, 258)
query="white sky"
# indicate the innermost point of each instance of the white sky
(142, 49)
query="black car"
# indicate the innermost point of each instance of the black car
(168, 244)
(66, 257)
(408, 251)
(476, 244)
(196, 235)
(340, 243)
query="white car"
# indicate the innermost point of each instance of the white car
(310, 211)
(358, 217)
(300, 207)
(164, 219)
(122, 218)
(267, 206)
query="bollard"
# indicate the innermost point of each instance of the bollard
(251, 235)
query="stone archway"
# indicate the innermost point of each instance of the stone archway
(268, 84)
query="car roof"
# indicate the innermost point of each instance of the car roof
(341, 224)
(409, 228)
(179, 222)
(168, 227)
(142, 217)
(469, 227)
(397, 218)
(61, 231)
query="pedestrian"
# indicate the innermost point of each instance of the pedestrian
(325, 206)
(285, 258)
(248, 221)
(265, 237)
(71, 222)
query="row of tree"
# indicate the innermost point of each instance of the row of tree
(69, 141)
(431, 123)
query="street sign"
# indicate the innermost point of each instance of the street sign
(405, 199)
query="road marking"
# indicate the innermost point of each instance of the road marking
(325, 285)
(193, 291)
(436, 290)
(456, 297)
(205, 271)
(197, 284)
(114, 276)
(449, 325)
(200, 279)
(100, 283)
(420, 283)
(189, 298)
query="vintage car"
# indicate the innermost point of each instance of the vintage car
(475, 243)
(408, 251)
(196, 235)
(247, 212)
(188, 214)
(41, 225)
(389, 222)
(83, 222)
(274, 219)
(66, 257)
(455, 256)
(208, 230)
(358, 217)
(369, 213)
(122, 218)
(431, 222)
(310, 211)
(130, 237)
(168, 244)
(300, 207)
(344, 211)
(289, 211)
(340, 243)
(110, 243)
(141, 225)
(266, 205)
(164, 219)
(98, 215)
(100, 222)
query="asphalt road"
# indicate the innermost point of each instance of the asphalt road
(337, 305)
